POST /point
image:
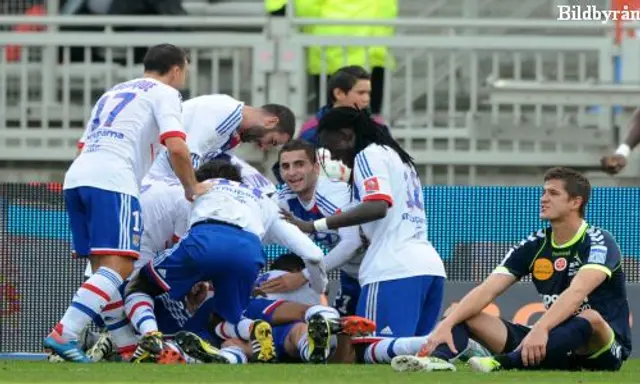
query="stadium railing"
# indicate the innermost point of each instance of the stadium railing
(447, 115)
(471, 227)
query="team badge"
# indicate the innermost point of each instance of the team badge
(560, 264)
(542, 269)
(371, 185)
(135, 240)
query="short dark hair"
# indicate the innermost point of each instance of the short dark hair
(575, 184)
(162, 57)
(345, 79)
(218, 169)
(286, 118)
(299, 145)
(289, 262)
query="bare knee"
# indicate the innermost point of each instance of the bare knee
(598, 324)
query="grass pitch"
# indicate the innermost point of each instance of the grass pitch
(108, 373)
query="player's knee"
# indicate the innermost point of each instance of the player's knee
(140, 283)
(598, 323)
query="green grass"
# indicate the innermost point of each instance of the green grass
(43, 372)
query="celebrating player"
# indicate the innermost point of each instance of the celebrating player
(101, 187)
(223, 245)
(576, 268)
(218, 123)
(310, 197)
(402, 275)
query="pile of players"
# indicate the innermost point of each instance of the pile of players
(187, 287)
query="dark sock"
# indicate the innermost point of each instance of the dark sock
(460, 339)
(563, 339)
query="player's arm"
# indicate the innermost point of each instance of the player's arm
(168, 115)
(616, 162)
(288, 236)
(345, 250)
(513, 267)
(602, 260)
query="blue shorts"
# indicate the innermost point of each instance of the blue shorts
(404, 307)
(262, 309)
(346, 301)
(280, 333)
(103, 222)
(228, 256)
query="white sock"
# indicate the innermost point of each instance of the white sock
(303, 348)
(139, 308)
(385, 349)
(241, 331)
(116, 321)
(88, 302)
(234, 354)
(326, 312)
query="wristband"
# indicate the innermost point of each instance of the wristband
(623, 150)
(320, 225)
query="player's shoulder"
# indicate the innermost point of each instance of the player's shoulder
(285, 194)
(598, 236)
(373, 150)
(332, 193)
(534, 240)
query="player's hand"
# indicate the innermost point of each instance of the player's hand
(285, 283)
(534, 347)
(197, 295)
(441, 335)
(304, 226)
(198, 190)
(613, 164)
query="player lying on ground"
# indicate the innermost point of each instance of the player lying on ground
(576, 268)
(224, 246)
(309, 196)
(402, 275)
(101, 187)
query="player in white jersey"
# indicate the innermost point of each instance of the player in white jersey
(228, 226)
(101, 187)
(309, 196)
(217, 123)
(402, 275)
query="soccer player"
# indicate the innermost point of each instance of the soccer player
(223, 245)
(101, 187)
(217, 123)
(575, 267)
(616, 162)
(402, 275)
(310, 197)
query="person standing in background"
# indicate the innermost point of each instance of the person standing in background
(376, 57)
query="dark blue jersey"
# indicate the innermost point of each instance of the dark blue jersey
(552, 268)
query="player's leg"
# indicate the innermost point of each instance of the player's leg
(587, 335)
(431, 305)
(63, 340)
(346, 301)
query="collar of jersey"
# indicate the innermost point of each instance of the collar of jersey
(574, 239)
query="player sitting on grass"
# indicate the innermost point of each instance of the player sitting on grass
(576, 268)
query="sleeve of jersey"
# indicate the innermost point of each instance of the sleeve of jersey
(349, 243)
(372, 176)
(519, 259)
(168, 114)
(604, 253)
(289, 236)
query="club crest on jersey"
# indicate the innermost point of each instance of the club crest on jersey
(135, 239)
(560, 264)
(542, 269)
(371, 185)
(597, 254)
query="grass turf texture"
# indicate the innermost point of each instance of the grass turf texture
(44, 372)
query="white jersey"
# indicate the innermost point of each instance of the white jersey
(329, 198)
(251, 176)
(211, 123)
(165, 216)
(251, 210)
(398, 243)
(303, 295)
(123, 135)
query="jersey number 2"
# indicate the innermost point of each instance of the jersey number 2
(125, 98)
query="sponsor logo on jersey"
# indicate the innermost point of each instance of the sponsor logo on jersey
(371, 185)
(560, 264)
(542, 269)
(597, 254)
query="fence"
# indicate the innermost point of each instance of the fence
(440, 100)
(471, 227)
